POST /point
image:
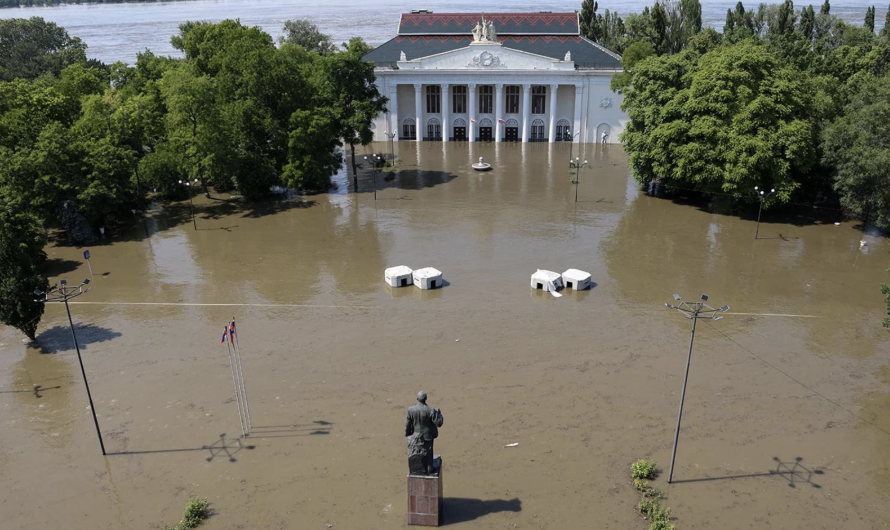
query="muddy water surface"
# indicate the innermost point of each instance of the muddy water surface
(786, 422)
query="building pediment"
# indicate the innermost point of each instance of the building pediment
(486, 56)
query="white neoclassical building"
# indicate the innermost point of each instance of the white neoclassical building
(526, 77)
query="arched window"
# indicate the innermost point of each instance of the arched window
(538, 129)
(485, 122)
(409, 130)
(512, 123)
(433, 129)
(563, 131)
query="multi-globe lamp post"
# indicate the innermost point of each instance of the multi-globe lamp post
(63, 294)
(188, 187)
(374, 159)
(763, 198)
(576, 164)
(392, 148)
(694, 311)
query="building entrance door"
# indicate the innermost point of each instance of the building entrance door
(485, 133)
(460, 133)
(511, 134)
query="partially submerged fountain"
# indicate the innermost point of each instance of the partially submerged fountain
(482, 165)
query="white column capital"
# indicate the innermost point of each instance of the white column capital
(499, 87)
(471, 86)
(444, 85)
(527, 87)
(554, 87)
(579, 89)
(417, 86)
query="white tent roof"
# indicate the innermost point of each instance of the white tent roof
(546, 276)
(575, 275)
(400, 270)
(427, 272)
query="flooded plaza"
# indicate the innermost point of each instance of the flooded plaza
(787, 414)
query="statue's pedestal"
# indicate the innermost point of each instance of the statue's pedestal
(425, 498)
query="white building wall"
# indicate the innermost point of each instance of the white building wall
(565, 104)
(600, 106)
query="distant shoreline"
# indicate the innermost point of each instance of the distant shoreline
(10, 4)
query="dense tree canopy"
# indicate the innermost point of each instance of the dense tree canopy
(32, 47)
(752, 106)
(858, 145)
(236, 113)
(727, 121)
(306, 35)
(21, 258)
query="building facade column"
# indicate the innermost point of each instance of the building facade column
(446, 99)
(554, 91)
(576, 129)
(526, 110)
(471, 89)
(418, 110)
(498, 111)
(394, 112)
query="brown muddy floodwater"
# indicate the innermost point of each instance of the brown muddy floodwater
(795, 379)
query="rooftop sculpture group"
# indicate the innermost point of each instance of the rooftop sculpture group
(485, 32)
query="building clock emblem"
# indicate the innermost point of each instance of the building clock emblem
(606, 103)
(486, 59)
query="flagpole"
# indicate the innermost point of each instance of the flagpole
(241, 372)
(235, 383)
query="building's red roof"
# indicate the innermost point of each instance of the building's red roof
(504, 23)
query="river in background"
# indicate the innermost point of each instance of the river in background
(117, 32)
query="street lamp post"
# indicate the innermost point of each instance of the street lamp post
(763, 197)
(695, 311)
(392, 148)
(63, 294)
(374, 160)
(188, 187)
(577, 165)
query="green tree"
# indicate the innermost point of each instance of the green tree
(32, 47)
(589, 20)
(312, 151)
(193, 121)
(857, 145)
(807, 22)
(346, 90)
(660, 27)
(739, 24)
(725, 121)
(826, 8)
(306, 34)
(885, 31)
(870, 19)
(21, 259)
(785, 18)
(634, 53)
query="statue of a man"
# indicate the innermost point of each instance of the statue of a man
(422, 427)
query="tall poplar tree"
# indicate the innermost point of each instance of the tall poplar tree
(589, 20)
(870, 19)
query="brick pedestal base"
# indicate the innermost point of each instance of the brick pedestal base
(425, 498)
